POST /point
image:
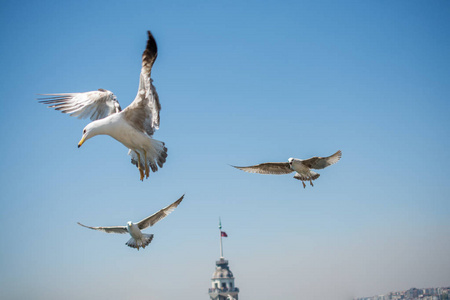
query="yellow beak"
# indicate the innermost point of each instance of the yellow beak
(82, 141)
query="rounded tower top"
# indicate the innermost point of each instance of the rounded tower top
(222, 270)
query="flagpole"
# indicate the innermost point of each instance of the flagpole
(220, 234)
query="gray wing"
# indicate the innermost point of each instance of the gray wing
(112, 229)
(143, 112)
(322, 162)
(94, 105)
(268, 168)
(150, 221)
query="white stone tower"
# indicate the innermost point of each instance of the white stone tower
(222, 281)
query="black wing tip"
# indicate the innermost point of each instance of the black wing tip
(181, 199)
(51, 98)
(151, 43)
(41, 99)
(150, 53)
(237, 167)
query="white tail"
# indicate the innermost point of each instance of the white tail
(143, 242)
(313, 176)
(156, 155)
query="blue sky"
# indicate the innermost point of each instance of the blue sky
(239, 83)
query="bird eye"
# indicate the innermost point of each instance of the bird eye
(84, 131)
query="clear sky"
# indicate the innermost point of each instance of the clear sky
(241, 83)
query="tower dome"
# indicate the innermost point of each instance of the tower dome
(222, 270)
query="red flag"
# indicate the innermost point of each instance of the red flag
(223, 233)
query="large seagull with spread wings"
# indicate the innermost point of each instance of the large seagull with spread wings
(139, 239)
(301, 166)
(133, 126)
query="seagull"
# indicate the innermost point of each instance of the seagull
(133, 126)
(139, 239)
(301, 166)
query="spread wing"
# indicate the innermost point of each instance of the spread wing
(143, 112)
(112, 229)
(150, 221)
(322, 162)
(94, 105)
(268, 168)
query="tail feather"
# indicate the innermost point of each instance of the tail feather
(143, 242)
(156, 156)
(302, 177)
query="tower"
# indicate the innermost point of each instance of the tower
(222, 281)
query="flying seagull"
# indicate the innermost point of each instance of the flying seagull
(133, 126)
(301, 166)
(139, 239)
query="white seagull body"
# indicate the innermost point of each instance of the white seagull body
(133, 126)
(139, 239)
(302, 167)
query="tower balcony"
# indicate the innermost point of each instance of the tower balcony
(222, 262)
(224, 290)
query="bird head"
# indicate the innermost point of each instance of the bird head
(91, 130)
(290, 160)
(87, 134)
(129, 223)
